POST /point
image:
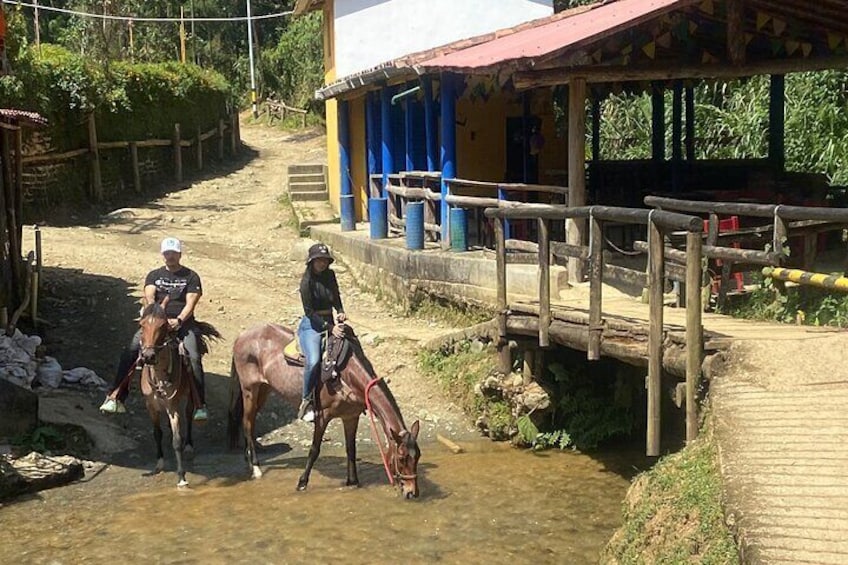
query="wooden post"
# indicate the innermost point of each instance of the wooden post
(690, 123)
(504, 354)
(596, 282)
(10, 214)
(199, 149)
(694, 332)
(529, 370)
(712, 230)
(576, 170)
(178, 154)
(736, 31)
(221, 139)
(19, 179)
(656, 275)
(781, 228)
(237, 125)
(94, 158)
(233, 134)
(544, 282)
(134, 161)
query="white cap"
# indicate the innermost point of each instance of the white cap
(171, 244)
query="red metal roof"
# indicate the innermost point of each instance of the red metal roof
(553, 35)
(32, 118)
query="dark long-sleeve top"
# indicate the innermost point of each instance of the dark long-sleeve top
(320, 293)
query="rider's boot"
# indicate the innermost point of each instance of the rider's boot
(305, 412)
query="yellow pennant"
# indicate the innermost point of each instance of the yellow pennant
(748, 38)
(692, 28)
(792, 46)
(596, 56)
(664, 40)
(806, 49)
(779, 26)
(762, 20)
(708, 7)
(833, 40)
(650, 49)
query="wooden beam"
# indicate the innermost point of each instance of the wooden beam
(576, 170)
(656, 278)
(694, 332)
(672, 70)
(736, 31)
(544, 282)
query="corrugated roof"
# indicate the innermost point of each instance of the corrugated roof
(31, 118)
(550, 38)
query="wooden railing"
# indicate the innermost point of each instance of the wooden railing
(412, 186)
(659, 223)
(280, 110)
(225, 130)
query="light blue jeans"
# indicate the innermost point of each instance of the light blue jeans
(310, 345)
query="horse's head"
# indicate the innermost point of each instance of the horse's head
(154, 330)
(404, 460)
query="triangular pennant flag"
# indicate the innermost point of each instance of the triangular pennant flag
(650, 50)
(762, 20)
(627, 50)
(806, 49)
(692, 27)
(779, 26)
(664, 40)
(707, 7)
(833, 40)
(748, 38)
(792, 46)
(596, 56)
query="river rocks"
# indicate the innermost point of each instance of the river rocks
(18, 409)
(521, 399)
(36, 472)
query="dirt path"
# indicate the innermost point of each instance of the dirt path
(240, 240)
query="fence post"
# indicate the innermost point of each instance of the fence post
(221, 139)
(233, 134)
(504, 354)
(596, 281)
(656, 274)
(94, 157)
(178, 154)
(694, 332)
(199, 149)
(544, 282)
(134, 161)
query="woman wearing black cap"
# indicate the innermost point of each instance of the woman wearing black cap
(319, 291)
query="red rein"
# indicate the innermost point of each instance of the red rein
(374, 433)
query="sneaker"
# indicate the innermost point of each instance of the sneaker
(112, 406)
(305, 411)
(201, 414)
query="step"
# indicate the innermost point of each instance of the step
(309, 177)
(306, 187)
(310, 196)
(306, 169)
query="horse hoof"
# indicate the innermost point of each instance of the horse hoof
(354, 484)
(182, 484)
(301, 486)
(257, 472)
(160, 466)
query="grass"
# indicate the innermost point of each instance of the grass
(458, 372)
(674, 514)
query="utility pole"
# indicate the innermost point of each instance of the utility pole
(250, 57)
(37, 27)
(182, 37)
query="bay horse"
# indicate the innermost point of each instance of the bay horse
(166, 381)
(259, 366)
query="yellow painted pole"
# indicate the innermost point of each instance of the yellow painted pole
(821, 280)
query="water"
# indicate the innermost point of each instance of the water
(492, 504)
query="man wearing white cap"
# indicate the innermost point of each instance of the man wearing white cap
(184, 288)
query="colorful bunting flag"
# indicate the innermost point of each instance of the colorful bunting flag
(762, 20)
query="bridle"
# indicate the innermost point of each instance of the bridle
(394, 474)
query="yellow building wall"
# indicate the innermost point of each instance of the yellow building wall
(358, 156)
(332, 114)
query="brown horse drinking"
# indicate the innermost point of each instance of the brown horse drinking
(167, 383)
(259, 367)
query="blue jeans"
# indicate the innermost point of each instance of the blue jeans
(310, 345)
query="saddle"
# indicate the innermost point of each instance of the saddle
(336, 353)
(292, 353)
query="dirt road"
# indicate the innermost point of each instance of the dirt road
(241, 241)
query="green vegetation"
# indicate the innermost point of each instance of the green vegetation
(459, 369)
(54, 439)
(795, 304)
(673, 513)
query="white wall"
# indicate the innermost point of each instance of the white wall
(370, 32)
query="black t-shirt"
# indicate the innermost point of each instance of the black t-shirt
(176, 285)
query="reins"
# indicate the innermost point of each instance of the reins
(374, 433)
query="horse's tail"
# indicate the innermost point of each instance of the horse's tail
(236, 408)
(208, 333)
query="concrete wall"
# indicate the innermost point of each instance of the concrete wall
(371, 32)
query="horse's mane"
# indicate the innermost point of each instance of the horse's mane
(155, 309)
(359, 353)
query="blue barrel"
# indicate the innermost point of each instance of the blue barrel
(415, 225)
(459, 229)
(378, 215)
(347, 212)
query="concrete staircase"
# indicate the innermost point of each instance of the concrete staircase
(308, 183)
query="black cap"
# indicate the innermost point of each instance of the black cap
(319, 251)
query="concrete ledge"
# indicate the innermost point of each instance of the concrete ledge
(468, 275)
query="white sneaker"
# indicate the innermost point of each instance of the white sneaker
(309, 416)
(112, 406)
